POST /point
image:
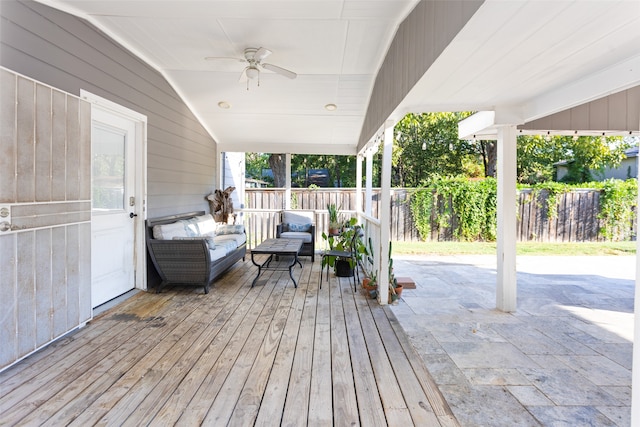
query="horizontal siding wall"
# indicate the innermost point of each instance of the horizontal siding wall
(46, 280)
(70, 54)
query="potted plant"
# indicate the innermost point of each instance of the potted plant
(344, 267)
(395, 290)
(334, 223)
(370, 283)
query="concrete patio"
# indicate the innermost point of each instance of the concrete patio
(562, 359)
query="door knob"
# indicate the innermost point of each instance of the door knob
(131, 215)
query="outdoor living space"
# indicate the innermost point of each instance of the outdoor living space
(115, 113)
(274, 354)
(264, 355)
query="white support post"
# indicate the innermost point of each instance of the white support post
(635, 368)
(385, 213)
(358, 185)
(287, 190)
(369, 183)
(506, 291)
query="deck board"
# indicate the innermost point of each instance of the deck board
(345, 404)
(268, 355)
(297, 402)
(321, 396)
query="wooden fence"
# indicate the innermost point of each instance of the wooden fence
(576, 219)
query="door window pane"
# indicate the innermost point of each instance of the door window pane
(108, 175)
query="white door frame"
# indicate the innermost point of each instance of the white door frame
(140, 186)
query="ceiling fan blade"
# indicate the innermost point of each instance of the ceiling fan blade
(243, 76)
(261, 54)
(279, 70)
(224, 58)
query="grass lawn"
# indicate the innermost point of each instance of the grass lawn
(522, 248)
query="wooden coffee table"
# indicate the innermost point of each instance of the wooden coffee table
(277, 247)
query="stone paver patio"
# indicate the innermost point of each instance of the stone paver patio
(562, 359)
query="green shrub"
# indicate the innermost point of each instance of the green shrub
(472, 202)
(471, 206)
(617, 207)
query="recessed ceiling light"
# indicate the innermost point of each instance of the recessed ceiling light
(224, 105)
(331, 107)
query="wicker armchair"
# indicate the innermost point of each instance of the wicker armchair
(299, 225)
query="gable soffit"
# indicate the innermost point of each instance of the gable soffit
(618, 112)
(419, 41)
(524, 59)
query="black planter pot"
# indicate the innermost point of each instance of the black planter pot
(343, 268)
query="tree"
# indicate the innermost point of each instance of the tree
(342, 169)
(427, 144)
(278, 164)
(489, 157)
(255, 163)
(591, 155)
(536, 156)
(585, 156)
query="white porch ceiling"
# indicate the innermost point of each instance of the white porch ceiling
(528, 57)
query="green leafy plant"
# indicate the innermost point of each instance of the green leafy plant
(617, 207)
(469, 204)
(467, 209)
(393, 282)
(334, 221)
(342, 242)
(548, 192)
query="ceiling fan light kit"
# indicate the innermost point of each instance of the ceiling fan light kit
(254, 57)
(252, 72)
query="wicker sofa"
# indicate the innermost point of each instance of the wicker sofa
(191, 248)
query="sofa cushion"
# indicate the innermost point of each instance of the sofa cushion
(169, 231)
(298, 217)
(306, 237)
(190, 227)
(217, 252)
(237, 239)
(206, 224)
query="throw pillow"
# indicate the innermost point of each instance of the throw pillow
(300, 227)
(230, 229)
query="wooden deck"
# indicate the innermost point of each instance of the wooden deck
(268, 355)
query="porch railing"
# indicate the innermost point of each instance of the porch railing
(260, 224)
(576, 219)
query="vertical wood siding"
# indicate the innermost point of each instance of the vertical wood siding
(45, 278)
(69, 54)
(420, 39)
(619, 111)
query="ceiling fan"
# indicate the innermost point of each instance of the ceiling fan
(254, 58)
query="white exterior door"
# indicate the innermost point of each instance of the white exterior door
(113, 142)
